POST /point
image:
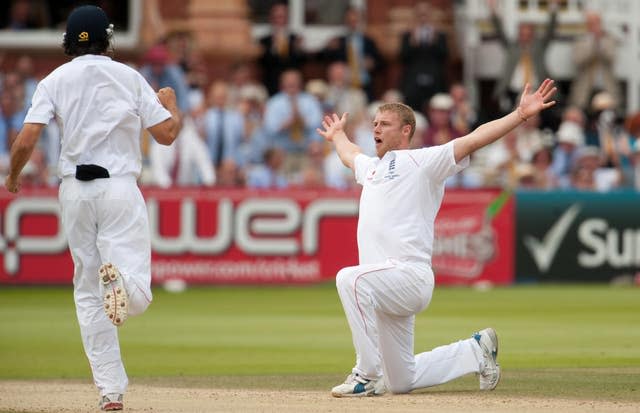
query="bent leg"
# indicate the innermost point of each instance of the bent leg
(123, 240)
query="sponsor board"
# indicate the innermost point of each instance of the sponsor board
(577, 236)
(240, 236)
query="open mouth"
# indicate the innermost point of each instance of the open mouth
(377, 140)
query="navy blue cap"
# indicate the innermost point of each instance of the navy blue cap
(87, 24)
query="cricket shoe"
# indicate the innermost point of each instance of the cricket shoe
(357, 386)
(490, 373)
(115, 299)
(111, 402)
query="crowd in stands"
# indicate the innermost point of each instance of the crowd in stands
(260, 132)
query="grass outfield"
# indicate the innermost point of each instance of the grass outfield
(564, 341)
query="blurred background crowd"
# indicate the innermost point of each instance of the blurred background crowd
(255, 127)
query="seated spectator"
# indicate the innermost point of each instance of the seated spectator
(291, 119)
(632, 171)
(440, 129)
(160, 70)
(341, 95)
(531, 137)
(463, 115)
(543, 175)
(604, 178)
(229, 175)
(249, 149)
(268, 175)
(569, 139)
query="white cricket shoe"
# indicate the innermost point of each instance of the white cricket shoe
(490, 373)
(116, 301)
(111, 402)
(357, 386)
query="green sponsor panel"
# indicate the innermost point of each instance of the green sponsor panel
(577, 236)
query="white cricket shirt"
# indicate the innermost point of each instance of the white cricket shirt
(401, 195)
(101, 107)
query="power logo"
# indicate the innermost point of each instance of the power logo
(13, 243)
(83, 37)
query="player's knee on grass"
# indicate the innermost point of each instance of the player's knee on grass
(399, 386)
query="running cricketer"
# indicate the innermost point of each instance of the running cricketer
(101, 107)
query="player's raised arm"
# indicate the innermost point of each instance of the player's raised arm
(334, 132)
(530, 105)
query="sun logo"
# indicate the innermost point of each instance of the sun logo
(83, 37)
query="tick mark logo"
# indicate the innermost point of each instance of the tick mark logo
(544, 251)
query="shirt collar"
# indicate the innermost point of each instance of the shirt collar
(92, 57)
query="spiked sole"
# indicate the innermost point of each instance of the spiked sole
(116, 302)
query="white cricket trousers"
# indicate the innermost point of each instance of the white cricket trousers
(105, 220)
(380, 302)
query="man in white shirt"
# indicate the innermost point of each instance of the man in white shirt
(402, 192)
(101, 107)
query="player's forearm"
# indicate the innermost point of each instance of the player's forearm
(22, 148)
(486, 134)
(347, 150)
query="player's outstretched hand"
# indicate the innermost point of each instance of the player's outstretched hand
(12, 184)
(532, 104)
(333, 125)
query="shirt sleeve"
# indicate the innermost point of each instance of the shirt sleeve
(360, 166)
(439, 162)
(42, 108)
(150, 109)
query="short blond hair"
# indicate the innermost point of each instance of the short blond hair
(404, 112)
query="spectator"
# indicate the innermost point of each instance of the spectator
(25, 71)
(604, 178)
(604, 130)
(594, 58)
(524, 57)
(569, 139)
(463, 115)
(341, 95)
(291, 118)
(269, 175)
(544, 177)
(229, 175)
(194, 163)
(241, 76)
(531, 137)
(249, 149)
(224, 127)
(281, 49)
(502, 162)
(423, 54)
(440, 129)
(632, 171)
(160, 71)
(357, 50)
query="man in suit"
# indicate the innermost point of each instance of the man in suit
(524, 57)
(281, 49)
(423, 53)
(357, 50)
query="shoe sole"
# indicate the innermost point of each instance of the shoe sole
(112, 406)
(115, 300)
